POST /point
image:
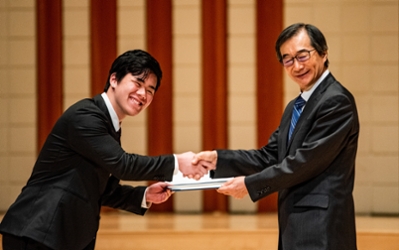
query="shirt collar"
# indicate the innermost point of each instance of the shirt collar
(306, 94)
(112, 113)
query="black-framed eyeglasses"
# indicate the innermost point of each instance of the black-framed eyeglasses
(301, 56)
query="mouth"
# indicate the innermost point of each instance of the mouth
(302, 75)
(136, 101)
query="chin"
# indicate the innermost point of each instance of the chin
(137, 111)
(134, 112)
(303, 85)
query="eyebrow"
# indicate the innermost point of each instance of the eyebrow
(139, 79)
(142, 81)
(299, 51)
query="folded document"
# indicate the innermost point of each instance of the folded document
(180, 183)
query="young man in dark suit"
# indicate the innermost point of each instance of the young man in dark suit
(81, 163)
(310, 165)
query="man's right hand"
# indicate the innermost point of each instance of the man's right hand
(208, 159)
(193, 171)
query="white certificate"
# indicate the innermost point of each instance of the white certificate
(180, 183)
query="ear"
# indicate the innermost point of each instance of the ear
(325, 56)
(112, 80)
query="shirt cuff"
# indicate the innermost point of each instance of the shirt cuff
(144, 203)
(176, 166)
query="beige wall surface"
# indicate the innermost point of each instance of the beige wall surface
(363, 53)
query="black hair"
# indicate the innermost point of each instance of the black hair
(136, 62)
(317, 39)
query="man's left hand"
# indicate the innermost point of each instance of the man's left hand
(158, 193)
(234, 187)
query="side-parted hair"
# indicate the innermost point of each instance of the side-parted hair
(136, 62)
(317, 39)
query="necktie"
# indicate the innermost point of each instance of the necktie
(299, 102)
(119, 133)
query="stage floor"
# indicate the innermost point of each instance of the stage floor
(217, 231)
(123, 221)
(154, 231)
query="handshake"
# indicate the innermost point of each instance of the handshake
(195, 166)
(192, 165)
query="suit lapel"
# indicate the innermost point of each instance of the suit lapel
(285, 126)
(100, 103)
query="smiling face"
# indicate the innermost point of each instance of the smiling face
(305, 74)
(132, 94)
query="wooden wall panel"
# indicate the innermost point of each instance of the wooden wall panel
(49, 66)
(269, 72)
(214, 89)
(102, 42)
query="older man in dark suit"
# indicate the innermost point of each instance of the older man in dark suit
(80, 165)
(310, 157)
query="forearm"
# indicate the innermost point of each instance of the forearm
(232, 163)
(124, 197)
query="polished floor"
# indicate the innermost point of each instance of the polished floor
(154, 231)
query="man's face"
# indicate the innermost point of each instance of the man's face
(306, 73)
(132, 94)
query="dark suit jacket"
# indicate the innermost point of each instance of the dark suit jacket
(77, 171)
(313, 173)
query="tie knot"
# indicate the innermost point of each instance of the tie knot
(299, 102)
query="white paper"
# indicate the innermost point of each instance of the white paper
(180, 183)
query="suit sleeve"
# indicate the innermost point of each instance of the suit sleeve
(123, 196)
(315, 147)
(90, 137)
(233, 163)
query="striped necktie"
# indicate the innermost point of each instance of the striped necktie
(296, 112)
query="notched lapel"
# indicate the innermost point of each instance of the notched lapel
(100, 103)
(285, 127)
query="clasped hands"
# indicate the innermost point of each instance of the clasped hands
(191, 166)
(195, 166)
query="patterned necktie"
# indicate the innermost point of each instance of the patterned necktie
(299, 102)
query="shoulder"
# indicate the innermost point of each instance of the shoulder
(84, 106)
(84, 113)
(334, 87)
(337, 93)
(332, 91)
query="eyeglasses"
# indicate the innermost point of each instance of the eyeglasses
(301, 56)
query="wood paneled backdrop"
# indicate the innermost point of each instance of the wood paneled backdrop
(159, 32)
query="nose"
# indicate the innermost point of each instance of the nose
(297, 65)
(142, 92)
